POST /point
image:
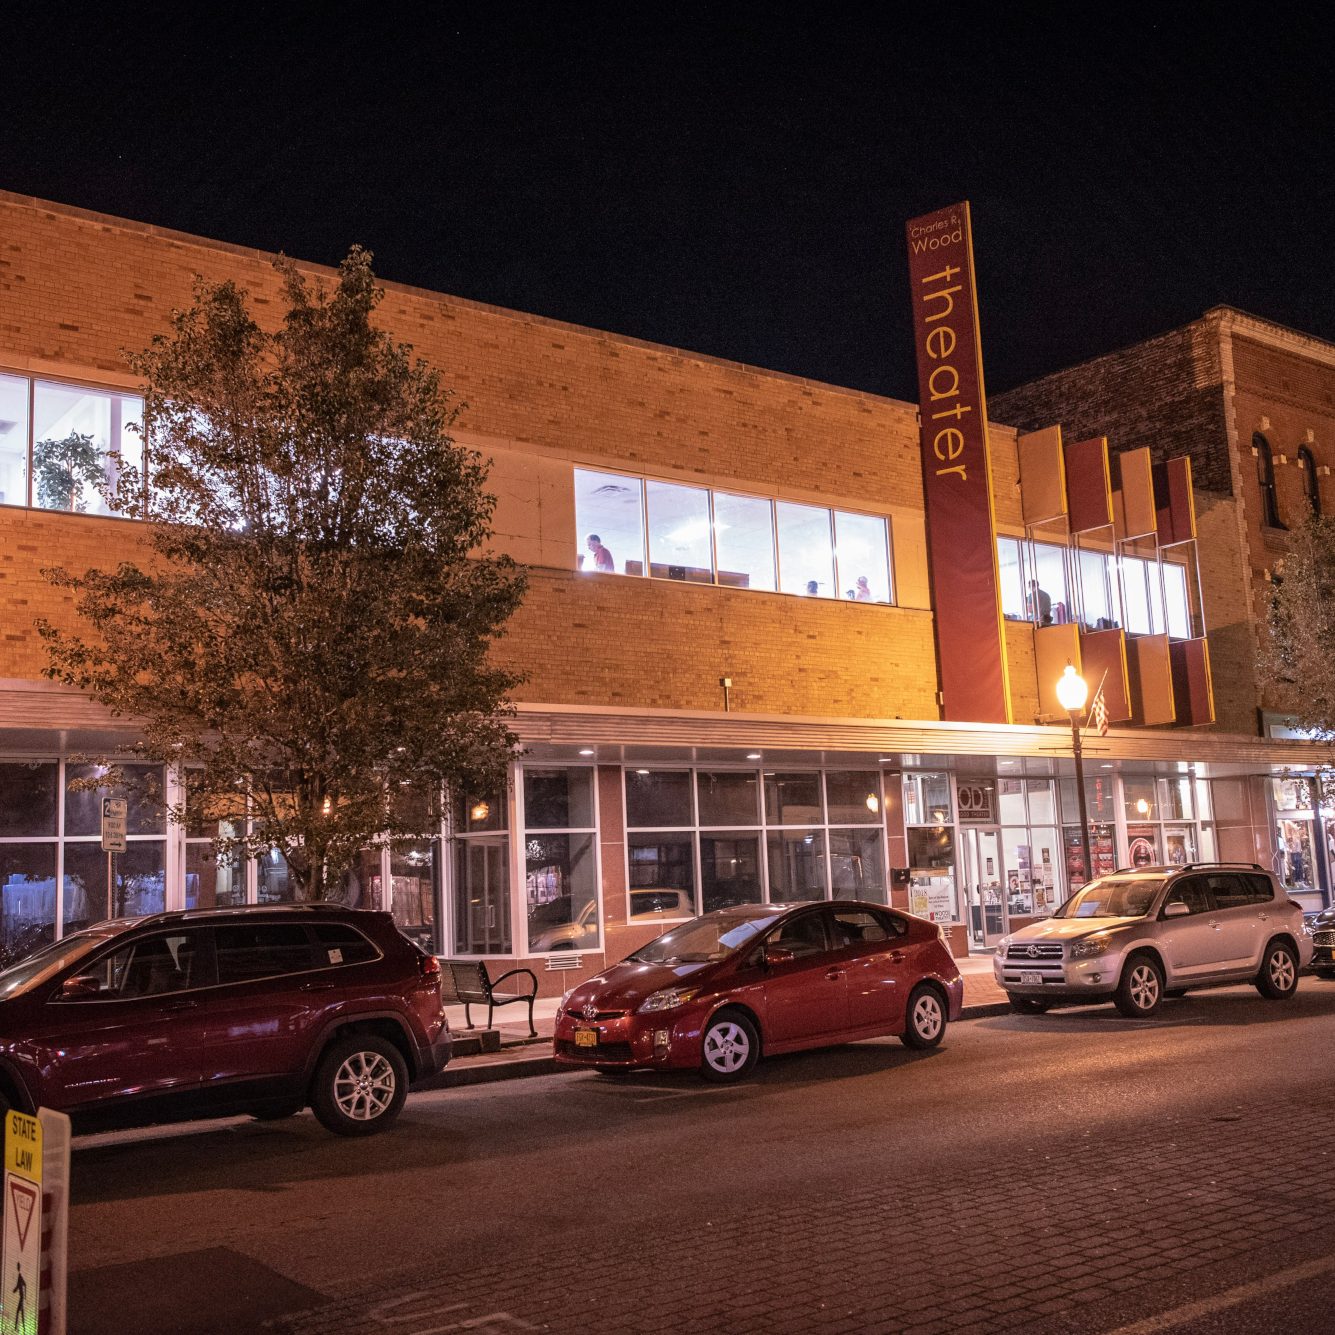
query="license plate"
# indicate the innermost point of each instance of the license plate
(1030, 978)
(586, 1038)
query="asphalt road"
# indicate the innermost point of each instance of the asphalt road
(1074, 1173)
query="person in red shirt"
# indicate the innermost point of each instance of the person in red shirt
(602, 558)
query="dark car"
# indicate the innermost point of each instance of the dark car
(1322, 927)
(197, 1014)
(714, 994)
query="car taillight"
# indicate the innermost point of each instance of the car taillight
(428, 966)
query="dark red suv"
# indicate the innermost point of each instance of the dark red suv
(200, 1014)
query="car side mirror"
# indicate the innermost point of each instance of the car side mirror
(1176, 910)
(778, 955)
(80, 987)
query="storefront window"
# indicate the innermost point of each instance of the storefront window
(927, 799)
(853, 797)
(857, 865)
(210, 881)
(796, 865)
(13, 440)
(83, 439)
(27, 799)
(138, 883)
(481, 875)
(793, 799)
(658, 797)
(609, 523)
(744, 540)
(806, 551)
(862, 548)
(661, 870)
(142, 791)
(1139, 798)
(274, 883)
(729, 869)
(1175, 798)
(560, 860)
(27, 899)
(412, 868)
(728, 797)
(1180, 845)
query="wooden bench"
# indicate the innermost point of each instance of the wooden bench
(467, 982)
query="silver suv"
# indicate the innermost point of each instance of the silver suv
(1140, 935)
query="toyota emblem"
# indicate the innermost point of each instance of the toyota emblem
(590, 1010)
(1033, 952)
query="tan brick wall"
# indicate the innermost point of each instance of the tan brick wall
(76, 289)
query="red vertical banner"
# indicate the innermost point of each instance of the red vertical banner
(956, 472)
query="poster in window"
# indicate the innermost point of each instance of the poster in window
(1142, 845)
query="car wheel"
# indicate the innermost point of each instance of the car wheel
(730, 1048)
(1278, 979)
(926, 1019)
(1028, 1005)
(1140, 993)
(360, 1085)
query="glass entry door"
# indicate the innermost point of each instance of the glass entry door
(984, 879)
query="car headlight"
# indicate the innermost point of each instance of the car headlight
(668, 998)
(1002, 944)
(1091, 946)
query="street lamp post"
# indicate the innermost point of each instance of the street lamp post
(1072, 692)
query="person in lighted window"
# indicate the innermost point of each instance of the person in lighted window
(602, 557)
(813, 589)
(1039, 605)
(863, 590)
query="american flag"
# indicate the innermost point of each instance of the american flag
(1098, 713)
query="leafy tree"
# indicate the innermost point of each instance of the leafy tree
(1297, 654)
(62, 467)
(309, 633)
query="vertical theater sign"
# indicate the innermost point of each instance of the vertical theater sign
(957, 484)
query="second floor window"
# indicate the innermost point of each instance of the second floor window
(1265, 477)
(1311, 483)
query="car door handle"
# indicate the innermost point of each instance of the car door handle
(834, 973)
(317, 987)
(898, 956)
(173, 1006)
(1264, 917)
(1216, 926)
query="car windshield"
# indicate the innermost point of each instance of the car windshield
(42, 964)
(706, 939)
(1112, 897)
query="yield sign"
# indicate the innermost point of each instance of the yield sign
(23, 1200)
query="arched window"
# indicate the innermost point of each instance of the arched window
(1311, 484)
(1265, 476)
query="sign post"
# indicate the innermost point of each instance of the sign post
(33, 1264)
(21, 1263)
(115, 812)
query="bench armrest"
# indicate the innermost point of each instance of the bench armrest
(532, 978)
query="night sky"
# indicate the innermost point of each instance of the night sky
(717, 178)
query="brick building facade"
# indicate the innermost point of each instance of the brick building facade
(643, 794)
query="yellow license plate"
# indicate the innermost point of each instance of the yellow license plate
(586, 1038)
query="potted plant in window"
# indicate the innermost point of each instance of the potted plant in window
(62, 467)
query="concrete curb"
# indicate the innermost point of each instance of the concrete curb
(471, 1072)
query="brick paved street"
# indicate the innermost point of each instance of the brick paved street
(1074, 1173)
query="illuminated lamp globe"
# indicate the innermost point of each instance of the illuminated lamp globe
(1072, 691)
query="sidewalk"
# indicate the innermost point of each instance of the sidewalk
(509, 1052)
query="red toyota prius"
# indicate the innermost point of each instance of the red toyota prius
(717, 992)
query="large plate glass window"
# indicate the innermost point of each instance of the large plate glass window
(13, 440)
(863, 553)
(560, 860)
(660, 861)
(83, 439)
(679, 532)
(609, 523)
(806, 551)
(930, 821)
(744, 541)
